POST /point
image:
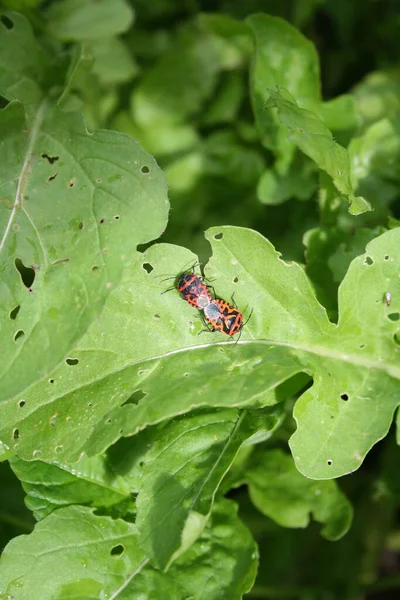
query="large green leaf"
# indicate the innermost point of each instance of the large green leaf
(71, 554)
(74, 207)
(74, 554)
(279, 491)
(71, 218)
(115, 384)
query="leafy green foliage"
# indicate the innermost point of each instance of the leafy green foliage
(279, 491)
(125, 421)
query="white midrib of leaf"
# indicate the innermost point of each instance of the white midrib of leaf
(129, 579)
(25, 170)
(383, 365)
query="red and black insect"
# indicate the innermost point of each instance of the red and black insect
(224, 317)
(193, 289)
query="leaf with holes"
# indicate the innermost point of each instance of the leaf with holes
(23, 62)
(69, 551)
(280, 492)
(118, 385)
(70, 220)
(73, 553)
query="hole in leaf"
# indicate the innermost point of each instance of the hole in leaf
(71, 182)
(147, 267)
(101, 221)
(117, 550)
(15, 434)
(394, 316)
(72, 361)
(98, 180)
(52, 177)
(51, 159)
(116, 217)
(108, 422)
(51, 380)
(362, 346)
(218, 236)
(121, 431)
(329, 462)
(90, 404)
(27, 273)
(14, 312)
(145, 169)
(8, 24)
(186, 374)
(387, 257)
(95, 268)
(235, 280)
(80, 226)
(156, 316)
(344, 396)
(135, 398)
(59, 449)
(368, 261)
(18, 334)
(396, 338)
(21, 403)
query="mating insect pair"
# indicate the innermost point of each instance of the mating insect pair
(219, 315)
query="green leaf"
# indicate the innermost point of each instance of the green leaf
(224, 156)
(298, 181)
(118, 386)
(182, 471)
(280, 492)
(90, 481)
(70, 219)
(377, 96)
(223, 562)
(310, 134)
(112, 61)
(375, 160)
(70, 552)
(22, 61)
(80, 20)
(176, 87)
(74, 554)
(284, 57)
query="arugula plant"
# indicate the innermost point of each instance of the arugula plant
(138, 441)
